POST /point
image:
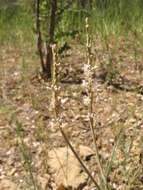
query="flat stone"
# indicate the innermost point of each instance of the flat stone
(66, 168)
(7, 185)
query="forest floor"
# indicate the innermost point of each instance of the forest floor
(30, 145)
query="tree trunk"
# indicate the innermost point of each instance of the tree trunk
(51, 37)
(39, 40)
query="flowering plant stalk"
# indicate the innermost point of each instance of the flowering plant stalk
(57, 119)
(90, 101)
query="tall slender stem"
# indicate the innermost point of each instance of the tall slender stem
(90, 94)
(56, 115)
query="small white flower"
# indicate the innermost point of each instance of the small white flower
(85, 68)
(111, 140)
(91, 115)
(52, 104)
(88, 70)
(64, 100)
(86, 100)
(74, 94)
(114, 185)
(9, 152)
(36, 112)
(48, 87)
(95, 67)
(16, 74)
(64, 125)
(59, 64)
(32, 126)
(16, 174)
(84, 83)
(52, 124)
(36, 144)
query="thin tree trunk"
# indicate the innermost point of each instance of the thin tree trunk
(39, 40)
(51, 37)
